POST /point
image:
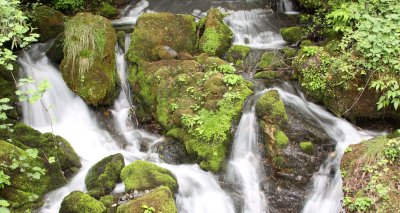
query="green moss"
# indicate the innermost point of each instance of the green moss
(271, 106)
(141, 175)
(307, 147)
(160, 199)
(107, 200)
(79, 202)
(266, 75)
(281, 139)
(305, 43)
(217, 36)
(48, 22)
(49, 145)
(271, 60)
(292, 34)
(161, 29)
(109, 11)
(24, 191)
(89, 63)
(278, 162)
(237, 53)
(289, 52)
(103, 176)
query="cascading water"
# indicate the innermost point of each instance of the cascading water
(253, 28)
(327, 190)
(286, 6)
(244, 167)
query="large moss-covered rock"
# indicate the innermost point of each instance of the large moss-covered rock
(79, 202)
(217, 36)
(103, 176)
(283, 131)
(177, 93)
(142, 175)
(370, 175)
(154, 30)
(271, 60)
(88, 67)
(160, 199)
(49, 23)
(108, 11)
(330, 80)
(292, 34)
(30, 177)
(48, 145)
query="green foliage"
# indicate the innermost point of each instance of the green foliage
(392, 150)
(108, 11)
(226, 69)
(360, 204)
(68, 5)
(14, 29)
(4, 179)
(232, 79)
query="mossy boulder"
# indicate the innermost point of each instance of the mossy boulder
(175, 92)
(108, 11)
(269, 74)
(78, 202)
(271, 106)
(142, 175)
(370, 175)
(31, 177)
(237, 54)
(88, 67)
(160, 199)
(103, 176)
(153, 30)
(217, 36)
(292, 34)
(329, 79)
(49, 23)
(271, 60)
(47, 144)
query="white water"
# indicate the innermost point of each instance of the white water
(254, 29)
(244, 168)
(131, 13)
(74, 121)
(286, 6)
(327, 183)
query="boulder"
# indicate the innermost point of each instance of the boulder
(161, 200)
(271, 60)
(217, 36)
(237, 54)
(49, 23)
(108, 11)
(292, 34)
(103, 176)
(177, 92)
(142, 175)
(288, 162)
(155, 30)
(30, 177)
(78, 202)
(88, 66)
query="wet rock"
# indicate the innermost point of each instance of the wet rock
(103, 176)
(237, 54)
(160, 199)
(88, 66)
(49, 23)
(166, 52)
(217, 36)
(161, 29)
(77, 202)
(141, 175)
(56, 53)
(288, 168)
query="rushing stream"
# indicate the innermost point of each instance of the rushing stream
(67, 115)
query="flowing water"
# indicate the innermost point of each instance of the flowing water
(286, 6)
(67, 115)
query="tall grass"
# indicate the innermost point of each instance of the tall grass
(84, 41)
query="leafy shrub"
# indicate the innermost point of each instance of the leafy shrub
(68, 5)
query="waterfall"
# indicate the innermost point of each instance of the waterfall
(254, 28)
(286, 6)
(327, 191)
(244, 167)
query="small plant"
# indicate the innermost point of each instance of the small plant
(147, 209)
(174, 106)
(232, 79)
(226, 69)
(310, 51)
